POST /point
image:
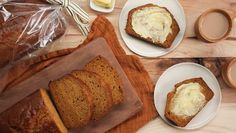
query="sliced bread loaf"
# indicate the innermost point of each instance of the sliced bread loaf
(100, 91)
(187, 100)
(153, 24)
(103, 68)
(73, 100)
(33, 114)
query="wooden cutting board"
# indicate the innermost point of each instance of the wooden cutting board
(132, 66)
(76, 61)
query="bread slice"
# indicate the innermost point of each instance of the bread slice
(35, 113)
(73, 100)
(103, 68)
(100, 91)
(52, 112)
(152, 33)
(182, 120)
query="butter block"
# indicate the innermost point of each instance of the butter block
(103, 3)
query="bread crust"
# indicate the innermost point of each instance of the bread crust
(117, 86)
(68, 112)
(104, 86)
(34, 113)
(183, 121)
(170, 38)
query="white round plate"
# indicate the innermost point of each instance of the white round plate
(178, 73)
(143, 48)
(101, 9)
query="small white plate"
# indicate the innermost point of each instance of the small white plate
(143, 48)
(178, 73)
(101, 9)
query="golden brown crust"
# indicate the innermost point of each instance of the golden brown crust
(103, 101)
(35, 113)
(170, 38)
(183, 121)
(69, 94)
(102, 67)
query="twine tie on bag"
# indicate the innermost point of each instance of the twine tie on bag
(78, 14)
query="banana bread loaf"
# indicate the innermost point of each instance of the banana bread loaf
(33, 114)
(26, 25)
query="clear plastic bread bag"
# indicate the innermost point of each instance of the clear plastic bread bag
(28, 28)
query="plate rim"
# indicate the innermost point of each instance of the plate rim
(149, 55)
(212, 115)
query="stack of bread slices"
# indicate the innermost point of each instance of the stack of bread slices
(88, 94)
(79, 97)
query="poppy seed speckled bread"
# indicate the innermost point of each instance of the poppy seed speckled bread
(100, 91)
(20, 33)
(103, 68)
(187, 100)
(153, 24)
(33, 114)
(73, 101)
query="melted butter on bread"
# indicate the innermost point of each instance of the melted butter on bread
(188, 100)
(152, 22)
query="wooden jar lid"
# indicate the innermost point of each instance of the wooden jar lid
(233, 83)
(227, 75)
(198, 25)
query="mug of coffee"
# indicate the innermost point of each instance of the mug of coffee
(229, 73)
(214, 25)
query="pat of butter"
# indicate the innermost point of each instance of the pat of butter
(103, 3)
(188, 100)
(152, 22)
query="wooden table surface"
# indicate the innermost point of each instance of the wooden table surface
(190, 47)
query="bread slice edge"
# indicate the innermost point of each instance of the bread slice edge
(181, 121)
(170, 38)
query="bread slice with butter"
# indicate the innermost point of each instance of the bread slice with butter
(103, 3)
(187, 100)
(153, 24)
